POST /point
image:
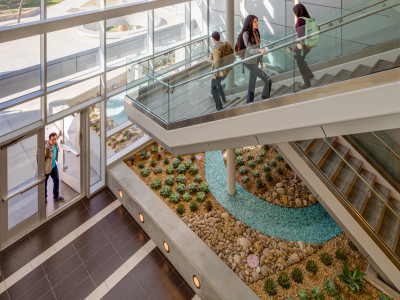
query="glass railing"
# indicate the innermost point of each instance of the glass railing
(362, 189)
(382, 149)
(189, 90)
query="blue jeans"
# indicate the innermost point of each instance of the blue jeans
(255, 72)
(56, 182)
(217, 92)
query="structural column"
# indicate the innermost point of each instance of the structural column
(231, 171)
(230, 35)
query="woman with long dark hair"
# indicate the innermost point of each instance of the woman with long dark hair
(301, 12)
(249, 39)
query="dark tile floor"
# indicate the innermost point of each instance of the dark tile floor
(77, 269)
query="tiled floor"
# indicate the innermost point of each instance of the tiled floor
(66, 191)
(84, 264)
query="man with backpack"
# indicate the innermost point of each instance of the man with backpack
(222, 55)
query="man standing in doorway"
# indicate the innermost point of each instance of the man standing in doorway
(51, 151)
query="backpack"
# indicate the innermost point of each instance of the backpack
(227, 57)
(313, 26)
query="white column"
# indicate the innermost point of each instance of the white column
(230, 35)
(231, 171)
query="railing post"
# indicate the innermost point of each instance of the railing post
(231, 171)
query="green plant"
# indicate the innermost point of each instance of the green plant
(245, 179)
(194, 170)
(181, 189)
(341, 254)
(280, 170)
(176, 162)
(197, 178)
(174, 198)
(157, 170)
(179, 156)
(169, 180)
(193, 188)
(192, 157)
(180, 209)
(287, 166)
(156, 184)
(186, 197)
(154, 149)
(303, 295)
(166, 161)
(165, 151)
(203, 187)
(382, 296)
(288, 298)
(169, 170)
(272, 163)
(165, 191)
(153, 163)
(240, 160)
(140, 165)
(284, 280)
(181, 169)
(352, 279)
(297, 275)
(187, 164)
(109, 144)
(326, 259)
(261, 154)
(194, 205)
(265, 147)
(265, 168)
(181, 179)
(243, 170)
(251, 163)
(201, 196)
(312, 267)
(238, 152)
(209, 205)
(145, 154)
(279, 157)
(316, 293)
(269, 177)
(255, 173)
(270, 287)
(330, 288)
(249, 156)
(352, 246)
(145, 172)
(259, 160)
(260, 183)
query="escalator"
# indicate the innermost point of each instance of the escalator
(356, 91)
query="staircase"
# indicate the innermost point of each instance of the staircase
(353, 177)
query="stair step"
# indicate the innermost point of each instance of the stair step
(381, 65)
(396, 63)
(341, 75)
(390, 227)
(292, 88)
(374, 207)
(359, 191)
(333, 161)
(324, 80)
(279, 90)
(346, 175)
(304, 144)
(361, 70)
(319, 149)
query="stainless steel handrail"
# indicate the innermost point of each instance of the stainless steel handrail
(286, 44)
(24, 189)
(386, 145)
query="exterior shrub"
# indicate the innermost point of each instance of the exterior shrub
(297, 275)
(270, 287)
(201, 196)
(265, 168)
(284, 280)
(194, 170)
(352, 279)
(279, 157)
(251, 163)
(272, 163)
(181, 189)
(179, 156)
(240, 160)
(312, 267)
(181, 169)
(330, 288)
(193, 188)
(269, 177)
(145, 154)
(197, 178)
(176, 162)
(192, 157)
(203, 187)
(259, 160)
(341, 254)
(209, 205)
(326, 259)
(165, 191)
(154, 149)
(243, 170)
(174, 198)
(169, 180)
(303, 295)
(153, 163)
(194, 205)
(169, 170)
(245, 179)
(382, 296)
(238, 152)
(157, 170)
(260, 183)
(316, 293)
(187, 164)
(280, 170)
(255, 173)
(156, 184)
(186, 197)
(181, 179)
(261, 154)
(265, 147)
(140, 165)
(166, 161)
(145, 172)
(180, 209)
(249, 156)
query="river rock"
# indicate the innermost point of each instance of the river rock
(285, 199)
(237, 259)
(264, 270)
(279, 185)
(245, 243)
(266, 252)
(298, 202)
(281, 191)
(312, 198)
(257, 245)
(262, 237)
(283, 246)
(255, 276)
(309, 250)
(225, 216)
(238, 230)
(302, 245)
(305, 203)
(295, 257)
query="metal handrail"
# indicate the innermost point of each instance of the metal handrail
(285, 45)
(386, 145)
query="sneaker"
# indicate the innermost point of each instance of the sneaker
(59, 198)
(304, 86)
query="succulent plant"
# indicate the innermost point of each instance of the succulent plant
(174, 198)
(265, 147)
(270, 287)
(165, 191)
(145, 172)
(251, 163)
(179, 156)
(193, 188)
(255, 173)
(272, 163)
(238, 152)
(209, 205)
(303, 295)
(330, 288)
(326, 259)
(259, 160)
(284, 280)
(140, 165)
(169, 170)
(279, 157)
(245, 179)
(265, 168)
(186, 197)
(187, 164)
(154, 149)
(260, 184)
(352, 246)
(180, 209)
(156, 184)
(181, 179)
(169, 180)
(297, 275)
(243, 170)
(176, 162)
(193, 157)
(382, 296)
(269, 177)
(180, 188)
(193, 205)
(316, 293)
(181, 169)
(280, 171)
(341, 254)
(203, 187)
(166, 161)
(197, 178)
(194, 170)
(240, 160)
(201, 196)
(249, 156)
(157, 170)
(287, 166)
(261, 154)
(145, 154)
(312, 267)
(153, 163)
(352, 279)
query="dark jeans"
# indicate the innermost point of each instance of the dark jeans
(217, 92)
(255, 72)
(56, 182)
(304, 69)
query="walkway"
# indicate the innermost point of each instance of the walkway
(93, 250)
(310, 224)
